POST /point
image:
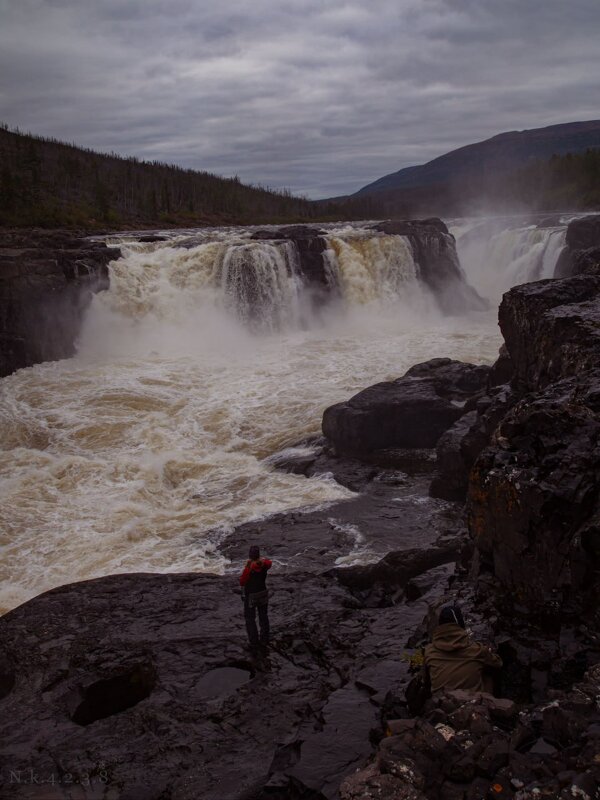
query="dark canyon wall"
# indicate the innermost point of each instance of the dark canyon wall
(46, 283)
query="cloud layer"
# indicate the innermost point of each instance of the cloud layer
(319, 96)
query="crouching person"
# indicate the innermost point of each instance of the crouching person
(454, 661)
(253, 580)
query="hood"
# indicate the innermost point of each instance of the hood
(450, 637)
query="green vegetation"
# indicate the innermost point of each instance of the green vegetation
(571, 181)
(47, 183)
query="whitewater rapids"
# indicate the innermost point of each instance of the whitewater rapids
(144, 450)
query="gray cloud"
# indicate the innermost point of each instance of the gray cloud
(320, 97)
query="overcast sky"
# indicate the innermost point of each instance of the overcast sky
(320, 97)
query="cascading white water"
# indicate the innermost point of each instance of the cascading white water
(262, 283)
(372, 268)
(140, 452)
(497, 256)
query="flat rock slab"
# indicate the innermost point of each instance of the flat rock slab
(143, 686)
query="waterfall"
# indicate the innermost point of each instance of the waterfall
(185, 290)
(373, 268)
(496, 259)
(261, 283)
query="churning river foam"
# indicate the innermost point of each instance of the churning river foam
(143, 450)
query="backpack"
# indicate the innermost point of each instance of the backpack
(418, 691)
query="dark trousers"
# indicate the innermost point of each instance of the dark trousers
(263, 618)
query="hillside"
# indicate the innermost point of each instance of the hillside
(47, 183)
(499, 155)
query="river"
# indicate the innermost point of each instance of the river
(153, 442)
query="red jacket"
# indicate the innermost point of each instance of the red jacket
(254, 566)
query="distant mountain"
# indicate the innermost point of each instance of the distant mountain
(480, 162)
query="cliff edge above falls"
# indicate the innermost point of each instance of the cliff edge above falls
(534, 491)
(47, 279)
(434, 252)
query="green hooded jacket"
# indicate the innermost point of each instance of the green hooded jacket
(455, 662)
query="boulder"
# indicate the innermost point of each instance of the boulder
(458, 448)
(410, 412)
(455, 380)
(452, 466)
(502, 370)
(551, 329)
(584, 233)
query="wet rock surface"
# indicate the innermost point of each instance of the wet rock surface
(582, 253)
(47, 279)
(144, 684)
(392, 512)
(410, 412)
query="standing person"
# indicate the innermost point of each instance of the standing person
(456, 662)
(253, 580)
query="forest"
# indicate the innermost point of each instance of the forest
(569, 182)
(50, 184)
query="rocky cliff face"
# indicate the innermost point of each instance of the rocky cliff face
(582, 253)
(46, 282)
(534, 491)
(434, 249)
